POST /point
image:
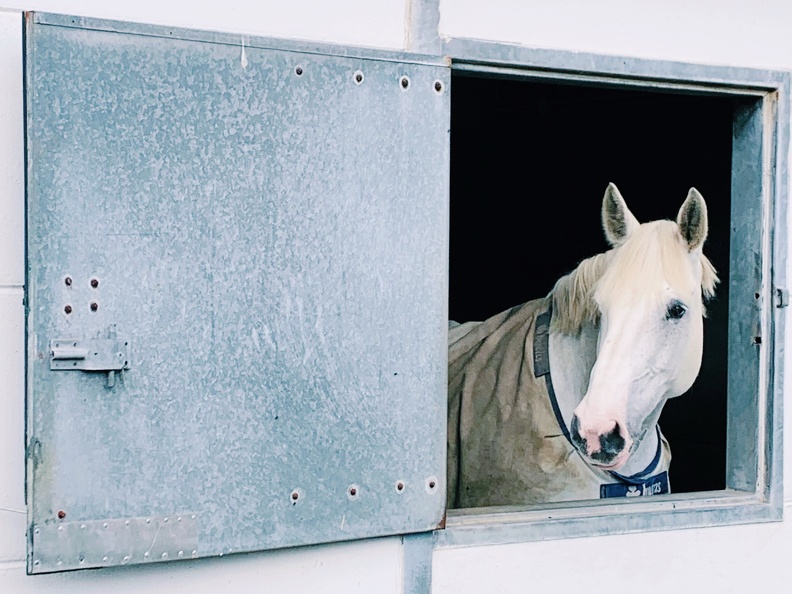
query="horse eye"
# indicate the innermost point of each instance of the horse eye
(675, 311)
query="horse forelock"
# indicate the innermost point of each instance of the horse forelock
(653, 256)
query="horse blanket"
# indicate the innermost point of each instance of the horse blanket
(507, 441)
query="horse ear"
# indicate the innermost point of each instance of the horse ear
(692, 220)
(617, 220)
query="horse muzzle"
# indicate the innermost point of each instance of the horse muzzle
(605, 446)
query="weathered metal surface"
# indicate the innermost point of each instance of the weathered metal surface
(513, 59)
(104, 543)
(271, 234)
(746, 287)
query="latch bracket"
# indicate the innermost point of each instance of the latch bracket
(782, 297)
(96, 354)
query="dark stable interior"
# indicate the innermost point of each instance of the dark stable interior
(529, 166)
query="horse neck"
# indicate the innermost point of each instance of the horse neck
(571, 361)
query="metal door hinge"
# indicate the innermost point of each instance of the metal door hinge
(107, 355)
(782, 297)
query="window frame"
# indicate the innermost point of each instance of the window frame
(761, 122)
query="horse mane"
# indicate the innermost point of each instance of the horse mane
(573, 295)
(637, 262)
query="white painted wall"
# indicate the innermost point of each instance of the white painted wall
(726, 32)
(353, 22)
(729, 559)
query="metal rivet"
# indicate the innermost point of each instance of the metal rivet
(164, 555)
(295, 495)
(399, 486)
(68, 281)
(68, 309)
(126, 558)
(358, 77)
(60, 562)
(104, 525)
(431, 484)
(94, 306)
(148, 520)
(192, 517)
(104, 559)
(165, 520)
(181, 554)
(60, 528)
(298, 71)
(352, 491)
(82, 559)
(94, 282)
(194, 554)
(438, 86)
(82, 527)
(36, 562)
(146, 554)
(36, 531)
(178, 519)
(126, 523)
(404, 81)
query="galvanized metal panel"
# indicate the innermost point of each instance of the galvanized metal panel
(747, 295)
(268, 229)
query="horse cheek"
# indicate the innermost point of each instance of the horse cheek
(690, 362)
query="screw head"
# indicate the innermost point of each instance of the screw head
(61, 514)
(68, 281)
(94, 282)
(94, 306)
(68, 309)
(298, 71)
(438, 86)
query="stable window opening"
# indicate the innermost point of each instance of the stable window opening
(530, 162)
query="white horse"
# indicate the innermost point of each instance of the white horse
(558, 399)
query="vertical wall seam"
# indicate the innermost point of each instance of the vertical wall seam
(422, 20)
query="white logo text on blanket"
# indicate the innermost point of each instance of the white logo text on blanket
(654, 485)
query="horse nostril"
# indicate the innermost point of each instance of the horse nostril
(611, 444)
(577, 440)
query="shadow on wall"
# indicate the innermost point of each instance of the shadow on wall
(529, 165)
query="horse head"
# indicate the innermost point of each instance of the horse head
(649, 305)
